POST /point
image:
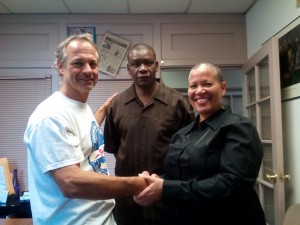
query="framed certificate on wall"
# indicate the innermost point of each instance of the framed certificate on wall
(82, 30)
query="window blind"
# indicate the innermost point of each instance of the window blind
(19, 98)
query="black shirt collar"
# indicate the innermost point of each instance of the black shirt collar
(214, 121)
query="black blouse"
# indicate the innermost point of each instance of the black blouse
(210, 170)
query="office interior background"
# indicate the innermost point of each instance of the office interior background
(183, 33)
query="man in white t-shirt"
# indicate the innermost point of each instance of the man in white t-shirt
(68, 177)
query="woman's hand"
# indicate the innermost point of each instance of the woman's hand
(151, 193)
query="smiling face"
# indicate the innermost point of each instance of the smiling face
(205, 90)
(79, 72)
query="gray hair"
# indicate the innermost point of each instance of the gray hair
(217, 70)
(60, 53)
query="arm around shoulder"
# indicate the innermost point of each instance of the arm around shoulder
(101, 111)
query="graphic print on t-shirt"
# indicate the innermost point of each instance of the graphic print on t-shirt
(97, 158)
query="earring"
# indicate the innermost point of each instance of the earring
(223, 105)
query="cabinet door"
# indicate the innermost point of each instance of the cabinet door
(188, 43)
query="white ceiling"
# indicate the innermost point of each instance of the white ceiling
(125, 6)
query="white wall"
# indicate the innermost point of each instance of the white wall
(265, 19)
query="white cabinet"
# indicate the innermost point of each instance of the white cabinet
(178, 40)
(28, 44)
(190, 43)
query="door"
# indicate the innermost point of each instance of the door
(262, 104)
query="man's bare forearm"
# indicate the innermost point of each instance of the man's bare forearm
(91, 185)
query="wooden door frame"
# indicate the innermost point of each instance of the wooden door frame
(271, 50)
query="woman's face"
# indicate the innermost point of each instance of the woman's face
(205, 91)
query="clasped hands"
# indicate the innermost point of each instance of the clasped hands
(152, 192)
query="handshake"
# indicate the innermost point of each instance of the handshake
(152, 192)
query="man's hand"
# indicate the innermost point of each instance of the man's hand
(101, 111)
(151, 193)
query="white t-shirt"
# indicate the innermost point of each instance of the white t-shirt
(63, 132)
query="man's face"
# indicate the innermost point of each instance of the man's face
(80, 71)
(142, 67)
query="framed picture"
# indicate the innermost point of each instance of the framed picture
(112, 51)
(82, 30)
(289, 59)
